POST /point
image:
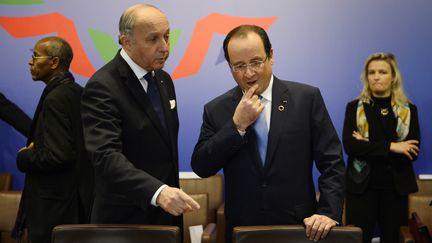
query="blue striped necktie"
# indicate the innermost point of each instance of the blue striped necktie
(261, 130)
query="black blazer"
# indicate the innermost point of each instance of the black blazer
(12, 114)
(377, 150)
(281, 192)
(55, 168)
(131, 152)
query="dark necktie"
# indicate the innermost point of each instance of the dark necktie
(153, 94)
(261, 130)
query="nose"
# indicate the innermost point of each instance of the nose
(30, 61)
(376, 76)
(165, 44)
(249, 71)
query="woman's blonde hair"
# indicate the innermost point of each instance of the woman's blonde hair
(397, 90)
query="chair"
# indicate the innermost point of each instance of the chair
(118, 233)
(424, 186)
(293, 233)
(199, 217)
(5, 181)
(419, 230)
(220, 221)
(420, 205)
(214, 187)
(9, 203)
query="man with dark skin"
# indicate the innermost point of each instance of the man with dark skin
(58, 176)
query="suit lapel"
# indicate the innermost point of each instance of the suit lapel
(280, 112)
(55, 81)
(139, 94)
(166, 105)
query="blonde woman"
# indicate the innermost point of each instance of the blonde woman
(381, 137)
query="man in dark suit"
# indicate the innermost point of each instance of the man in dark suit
(14, 116)
(57, 188)
(265, 134)
(131, 127)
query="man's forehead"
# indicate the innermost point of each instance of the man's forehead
(151, 27)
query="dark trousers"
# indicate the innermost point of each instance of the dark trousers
(383, 207)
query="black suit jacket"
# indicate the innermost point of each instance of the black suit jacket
(12, 114)
(57, 168)
(281, 192)
(131, 152)
(377, 149)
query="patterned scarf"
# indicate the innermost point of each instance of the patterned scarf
(403, 117)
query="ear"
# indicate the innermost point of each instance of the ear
(125, 42)
(55, 63)
(271, 56)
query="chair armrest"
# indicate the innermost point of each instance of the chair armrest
(221, 210)
(405, 235)
(209, 234)
(220, 221)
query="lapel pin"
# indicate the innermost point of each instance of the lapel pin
(282, 107)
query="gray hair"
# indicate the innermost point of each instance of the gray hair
(128, 20)
(58, 47)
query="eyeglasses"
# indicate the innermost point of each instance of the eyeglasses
(254, 66)
(40, 57)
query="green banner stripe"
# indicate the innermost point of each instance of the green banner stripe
(174, 36)
(104, 43)
(21, 2)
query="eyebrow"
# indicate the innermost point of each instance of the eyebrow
(257, 58)
(153, 32)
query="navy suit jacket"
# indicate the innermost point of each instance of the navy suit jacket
(131, 152)
(282, 191)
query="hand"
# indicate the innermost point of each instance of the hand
(175, 201)
(31, 145)
(248, 109)
(408, 148)
(358, 136)
(318, 226)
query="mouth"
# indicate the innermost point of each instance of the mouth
(161, 59)
(251, 83)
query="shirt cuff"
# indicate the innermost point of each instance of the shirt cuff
(153, 200)
(242, 133)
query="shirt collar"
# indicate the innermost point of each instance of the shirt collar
(267, 93)
(138, 71)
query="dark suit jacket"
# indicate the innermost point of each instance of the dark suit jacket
(131, 152)
(53, 167)
(281, 192)
(377, 150)
(12, 114)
